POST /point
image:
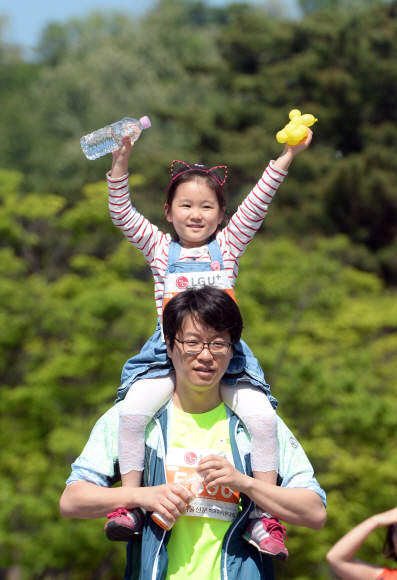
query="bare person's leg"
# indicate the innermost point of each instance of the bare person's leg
(267, 476)
(132, 479)
(255, 410)
(143, 400)
(253, 407)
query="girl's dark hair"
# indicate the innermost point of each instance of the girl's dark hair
(209, 306)
(388, 547)
(195, 173)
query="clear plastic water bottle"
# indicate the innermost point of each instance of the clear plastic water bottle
(111, 137)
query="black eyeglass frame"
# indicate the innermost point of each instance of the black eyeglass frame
(204, 345)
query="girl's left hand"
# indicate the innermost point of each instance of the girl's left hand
(294, 149)
(219, 471)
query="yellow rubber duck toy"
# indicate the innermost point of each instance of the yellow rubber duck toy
(296, 130)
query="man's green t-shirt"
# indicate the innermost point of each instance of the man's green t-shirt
(196, 540)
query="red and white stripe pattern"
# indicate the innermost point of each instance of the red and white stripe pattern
(154, 244)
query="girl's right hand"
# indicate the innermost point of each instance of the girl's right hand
(386, 518)
(120, 158)
(125, 149)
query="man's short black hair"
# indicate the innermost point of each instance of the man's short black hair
(209, 306)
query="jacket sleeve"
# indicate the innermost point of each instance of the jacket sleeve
(294, 467)
(98, 463)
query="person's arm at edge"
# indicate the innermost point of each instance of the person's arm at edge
(341, 555)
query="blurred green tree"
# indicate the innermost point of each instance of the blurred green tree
(325, 334)
(64, 340)
(16, 78)
(309, 6)
(339, 65)
(76, 300)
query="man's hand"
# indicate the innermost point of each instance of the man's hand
(219, 471)
(169, 500)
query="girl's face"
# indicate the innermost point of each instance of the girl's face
(194, 212)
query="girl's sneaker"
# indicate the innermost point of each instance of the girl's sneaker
(123, 524)
(267, 535)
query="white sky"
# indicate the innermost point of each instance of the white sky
(25, 19)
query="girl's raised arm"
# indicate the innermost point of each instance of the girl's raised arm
(341, 556)
(145, 236)
(250, 214)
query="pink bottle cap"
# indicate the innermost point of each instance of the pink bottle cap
(145, 122)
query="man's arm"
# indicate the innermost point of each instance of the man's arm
(82, 499)
(299, 500)
(297, 506)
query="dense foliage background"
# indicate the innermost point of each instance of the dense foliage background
(317, 286)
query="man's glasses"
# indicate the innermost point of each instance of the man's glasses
(196, 346)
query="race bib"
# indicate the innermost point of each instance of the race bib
(175, 283)
(218, 502)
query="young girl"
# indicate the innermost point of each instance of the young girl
(204, 249)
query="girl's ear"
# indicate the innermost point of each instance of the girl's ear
(221, 216)
(167, 213)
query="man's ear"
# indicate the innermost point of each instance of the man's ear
(169, 351)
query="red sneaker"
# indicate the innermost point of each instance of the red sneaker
(123, 524)
(267, 535)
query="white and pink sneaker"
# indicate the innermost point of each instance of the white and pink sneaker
(267, 535)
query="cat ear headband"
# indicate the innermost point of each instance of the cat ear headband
(186, 167)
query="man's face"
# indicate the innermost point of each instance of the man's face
(203, 370)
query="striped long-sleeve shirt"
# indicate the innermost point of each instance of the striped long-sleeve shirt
(154, 244)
